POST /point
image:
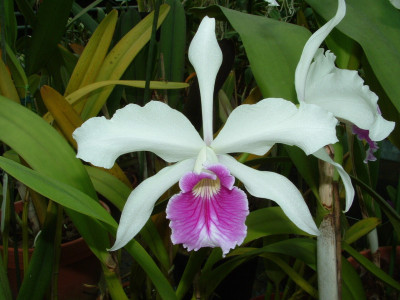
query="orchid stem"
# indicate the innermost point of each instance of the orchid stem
(328, 285)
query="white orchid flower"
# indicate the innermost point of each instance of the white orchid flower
(272, 2)
(342, 92)
(209, 211)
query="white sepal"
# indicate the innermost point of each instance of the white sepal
(273, 186)
(140, 203)
(155, 127)
(206, 58)
(256, 128)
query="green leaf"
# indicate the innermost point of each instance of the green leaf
(46, 152)
(360, 229)
(352, 288)
(57, 191)
(393, 216)
(370, 266)
(272, 47)
(307, 166)
(40, 270)
(267, 253)
(8, 22)
(50, 26)
(117, 193)
(193, 266)
(82, 15)
(109, 186)
(4, 284)
(375, 25)
(119, 58)
(26, 9)
(269, 221)
(147, 263)
(173, 46)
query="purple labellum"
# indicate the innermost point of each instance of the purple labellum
(363, 134)
(209, 211)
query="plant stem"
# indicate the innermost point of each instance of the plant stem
(328, 284)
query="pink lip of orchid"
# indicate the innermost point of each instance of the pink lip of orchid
(342, 92)
(209, 211)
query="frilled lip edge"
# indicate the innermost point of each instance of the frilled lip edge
(209, 211)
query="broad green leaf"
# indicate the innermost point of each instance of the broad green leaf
(173, 46)
(49, 154)
(49, 27)
(57, 191)
(375, 25)
(360, 229)
(269, 221)
(41, 146)
(109, 186)
(370, 266)
(119, 58)
(272, 47)
(46, 152)
(352, 288)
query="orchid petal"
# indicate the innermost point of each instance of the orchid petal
(140, 203)
(311, 48)
(256, 128)
(272, 3)
(343, 93)
(209, 211)
(206, 58)
(321, 154)
(155, 127)
(275, 187)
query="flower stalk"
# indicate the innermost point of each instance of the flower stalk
(328, 242)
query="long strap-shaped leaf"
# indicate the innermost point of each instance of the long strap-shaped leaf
(93, 55)
(7, 87)
(68, 120)
(119, 59)
(50, 155)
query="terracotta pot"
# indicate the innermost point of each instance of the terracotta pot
(79, 268)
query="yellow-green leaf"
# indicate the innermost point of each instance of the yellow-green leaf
(7, 88)
(119, 58)
(92, 57)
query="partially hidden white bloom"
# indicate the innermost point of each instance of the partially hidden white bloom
(209, 211)
(342, 92)
(395, 3)
(272, 2)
